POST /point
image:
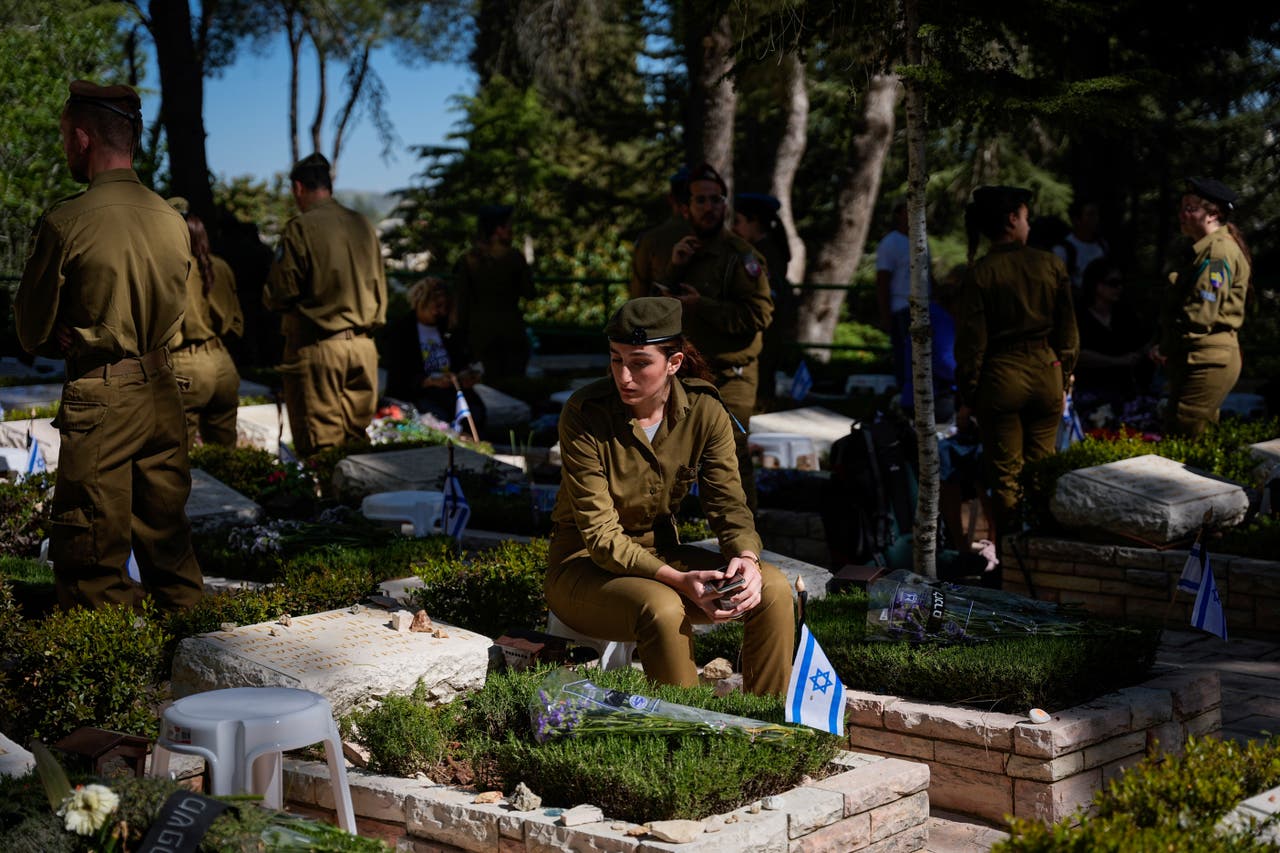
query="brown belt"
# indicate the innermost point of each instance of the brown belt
(130, 365)
(1021, 346)
(208, 344)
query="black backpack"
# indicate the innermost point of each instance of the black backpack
(869, 501)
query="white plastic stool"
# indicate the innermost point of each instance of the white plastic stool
(420, 508)
(242, 731)
(613, 653)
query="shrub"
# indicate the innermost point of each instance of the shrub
(632, 777)
(490, 592)
(404, 734)
(31, 582)
(24, 514)
(1014, 674)
(245, 469)
(1168, 802)
(86, 668)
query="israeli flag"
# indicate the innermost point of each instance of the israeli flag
(456, 512)
(815, 697)
(1193, 569)
(461, 411)
(1070, 430)
(1207, 615)
(286, 455)
(35, 459)
(802, 382)
(132, 568)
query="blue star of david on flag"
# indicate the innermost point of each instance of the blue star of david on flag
(455, 512)
(815, 696)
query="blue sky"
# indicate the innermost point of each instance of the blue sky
(246, 116)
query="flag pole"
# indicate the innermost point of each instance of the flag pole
(802, 597)
(475, 436)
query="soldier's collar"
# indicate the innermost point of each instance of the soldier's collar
(111, 175)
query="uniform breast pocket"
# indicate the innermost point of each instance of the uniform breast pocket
(686, 476)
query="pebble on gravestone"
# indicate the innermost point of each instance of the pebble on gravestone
(676, 831)
(401, 620)
(732, 684)
(524, 800)
(421, 622)
(717, 669)
(579, 815)
(355, 753)
(488, 798)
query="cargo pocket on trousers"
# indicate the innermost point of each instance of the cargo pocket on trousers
(72, 541)
(79, 415)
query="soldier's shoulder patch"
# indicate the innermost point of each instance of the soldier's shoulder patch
(1219, 273)
(751, 264)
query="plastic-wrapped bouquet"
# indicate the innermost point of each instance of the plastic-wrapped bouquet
(569, 705)
(905, 606)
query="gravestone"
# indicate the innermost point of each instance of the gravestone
(350, 658)
(14, 760)
(503, 411)
(823, 426)
(417, 469)
(253, 389)
(1267, 453)
(259, 426)
(1148, 497)
(18, 398)
(213, 504)
(14, 434)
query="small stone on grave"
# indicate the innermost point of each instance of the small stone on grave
(579, 815)
(772, 803)
(1149, 497)
(732, 684)
(488, 798)
(524, 800)
(421, 622)
(355, 753)
(717, 669)
(286, 620)
(676, 831)
(401, 620)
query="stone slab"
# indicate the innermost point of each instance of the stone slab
(1268, 455)
(259, 426)
(350, 658)
(1149, 496)
(503, 411)
(213, 504)
(418, 469)
(19, 397)
(14, 760)
(822, 425)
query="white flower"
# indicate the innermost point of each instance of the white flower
(87, 808)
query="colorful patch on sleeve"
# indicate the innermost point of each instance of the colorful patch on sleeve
(1219, 274)
(751, 265)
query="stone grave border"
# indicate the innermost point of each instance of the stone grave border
(1139, 583)
(994, 765)
(877, 805)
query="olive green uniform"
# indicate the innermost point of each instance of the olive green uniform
(1016, 343)
(490, 284)
(614, 528)
(727, 326)
(1203, 309)
(651, 259)
(111, 265)
(207, 376)
(328, 279)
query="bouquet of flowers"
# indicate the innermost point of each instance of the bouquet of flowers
(906, 606)
(106, 816)
(568, 705)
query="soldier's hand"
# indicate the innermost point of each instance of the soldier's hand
(62, 332)
(688, 296)
(683, 252)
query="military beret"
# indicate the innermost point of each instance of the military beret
(179, 204)
(998, 198)
(1215, 191)
(706, 172)
(757, 206)
(122, 100)
(646, 320)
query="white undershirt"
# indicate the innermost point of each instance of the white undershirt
(651, 431)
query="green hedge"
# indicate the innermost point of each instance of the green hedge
(631, 777)
(1166, 803)
(1005, 675)
(24, 514)
(488, 592)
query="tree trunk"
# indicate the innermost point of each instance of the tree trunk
(360, 70)
(322, 95)
(708, 123)
(182, 105)
(925, 536)
(294, 33)
(838, 259)
(787, 161)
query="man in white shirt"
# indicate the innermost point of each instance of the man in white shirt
(1084, 244)
(893, 290)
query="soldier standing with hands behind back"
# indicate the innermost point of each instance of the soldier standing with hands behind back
(329, 282)
(105, 288)
(722, 284)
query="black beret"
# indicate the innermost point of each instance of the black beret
(706, 172)
(646, 320)
(758, 206)
(1001, 198)
(315, 160)
(1215, 191)
(122, 100)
